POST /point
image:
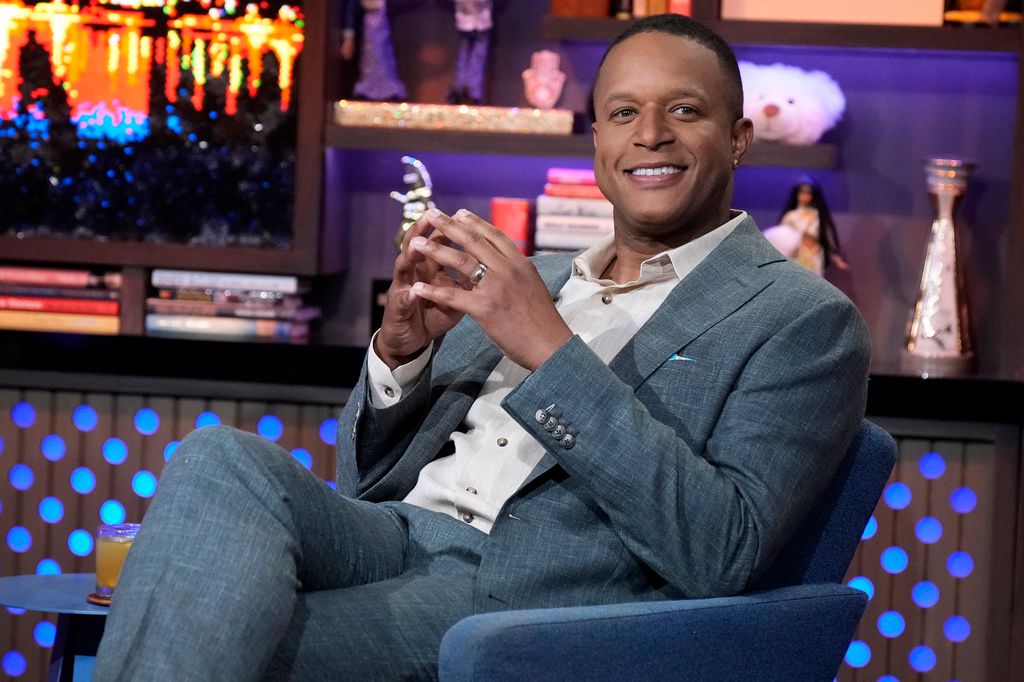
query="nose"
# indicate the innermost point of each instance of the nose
(653, 130)
(771, 110)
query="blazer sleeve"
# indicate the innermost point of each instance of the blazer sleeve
(708, 522)
(371, 440)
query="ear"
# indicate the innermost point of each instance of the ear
(742, 134)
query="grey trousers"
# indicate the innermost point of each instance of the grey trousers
(248, 567)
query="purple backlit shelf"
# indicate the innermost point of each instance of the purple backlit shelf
(459, 142)
(965, 38)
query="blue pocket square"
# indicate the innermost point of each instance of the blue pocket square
(684, 358)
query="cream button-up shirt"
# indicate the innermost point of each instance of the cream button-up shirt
(494, 455)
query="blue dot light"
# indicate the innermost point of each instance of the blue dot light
(894, 560)
(329, 431)
(270, 427)
(932, 466)
(864, 585)
(85, 418)
(207, 419)
(23, 415)
(888, 678)
(115, 451)
(870, 529)
(963, 500)
(925, 594)
(147, 421)
(928, 530)
(21, 476)
(112, 511)
(170, 449)
(80, 542)
(19, 539)
(144, 484)
(44, 633)
(858, 654)
(51, 510)
(891, 624)
(956, 628)
(53, 448)
(1, 445)
(922, 658)
(960, 564)
(14, 664)
(303, 456)
(48, 567)
(83, 481)
(897, 495)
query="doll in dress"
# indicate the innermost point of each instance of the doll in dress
(806, 233)
(378, 75)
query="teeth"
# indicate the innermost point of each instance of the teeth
(664, 170)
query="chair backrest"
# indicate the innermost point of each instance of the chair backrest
(823, 546)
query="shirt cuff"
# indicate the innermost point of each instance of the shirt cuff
(386, 387)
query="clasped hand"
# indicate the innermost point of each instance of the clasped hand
(432, 288)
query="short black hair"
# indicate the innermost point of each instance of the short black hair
(685, 27)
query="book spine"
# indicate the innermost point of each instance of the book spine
(657, 6)
(640, 9)
(512, 216)
(212, 309)
(578, 191)
(192, 279)
(571, 176)
(57, 278)
(598, 208)
(680, 7)
(58, 292)
(158, 324)
(570, 232)
(59, 322)
(59, 305)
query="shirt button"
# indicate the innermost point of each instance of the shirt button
(389, 392)
(471, 490)
(502, 442)
(468, 518)
(606, 299)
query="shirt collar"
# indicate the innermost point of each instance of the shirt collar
(677, 262)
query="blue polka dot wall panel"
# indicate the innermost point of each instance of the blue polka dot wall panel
(72, 460)
(933, 557)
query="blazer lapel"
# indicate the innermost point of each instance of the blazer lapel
(464, 381)
(729, 277)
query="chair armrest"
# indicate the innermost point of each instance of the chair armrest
(791, 633)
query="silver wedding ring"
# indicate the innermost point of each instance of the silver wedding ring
(478, 274)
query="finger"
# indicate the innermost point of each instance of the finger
(472, 237)
(448, 298)
(408, 259)
(468, 229)
(460, 262)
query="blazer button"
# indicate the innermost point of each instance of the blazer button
(541, 416)
(568, 441)
(558, 432)
(550, 424)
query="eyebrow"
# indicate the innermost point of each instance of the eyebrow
(680, 93)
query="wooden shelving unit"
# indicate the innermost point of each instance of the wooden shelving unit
(965, 38)
(459, 142)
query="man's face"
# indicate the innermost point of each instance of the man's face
(665, 138)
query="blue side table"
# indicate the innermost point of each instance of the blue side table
(79, 623)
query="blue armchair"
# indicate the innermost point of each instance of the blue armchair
(794, 624)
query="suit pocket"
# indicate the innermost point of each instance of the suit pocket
(683, 373)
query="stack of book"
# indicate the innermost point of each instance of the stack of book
(59, 300)
(229, 306)
(572, 213)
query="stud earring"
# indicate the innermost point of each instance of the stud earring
(735, 163)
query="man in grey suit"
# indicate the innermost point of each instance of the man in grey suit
(649, 420)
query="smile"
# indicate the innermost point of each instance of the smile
(661, 170)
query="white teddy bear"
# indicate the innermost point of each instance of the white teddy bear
(788, 104)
